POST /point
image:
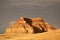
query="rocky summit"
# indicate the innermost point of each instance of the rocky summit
(30, 26)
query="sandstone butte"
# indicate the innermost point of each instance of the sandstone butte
(30, 29)
(29, 25)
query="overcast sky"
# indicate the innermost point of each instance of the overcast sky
(11, 10)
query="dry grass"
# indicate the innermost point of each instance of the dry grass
(51, 35)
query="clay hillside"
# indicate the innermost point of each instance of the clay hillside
(31, 29)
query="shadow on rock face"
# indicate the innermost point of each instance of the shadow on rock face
(37, 30)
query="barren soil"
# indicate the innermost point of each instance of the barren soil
(51, 35)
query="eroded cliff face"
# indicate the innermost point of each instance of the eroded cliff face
(29, 25)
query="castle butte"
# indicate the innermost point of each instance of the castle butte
(30, 26)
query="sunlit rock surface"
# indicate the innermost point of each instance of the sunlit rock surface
(30, 29)
(30, 26)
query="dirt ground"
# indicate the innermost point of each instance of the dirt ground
(51, 35)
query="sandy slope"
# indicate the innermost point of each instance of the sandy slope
(51, 35)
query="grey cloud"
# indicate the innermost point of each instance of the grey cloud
(10, 10)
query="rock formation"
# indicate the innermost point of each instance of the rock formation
(29, 25)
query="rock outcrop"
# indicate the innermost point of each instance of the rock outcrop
(29, 25)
